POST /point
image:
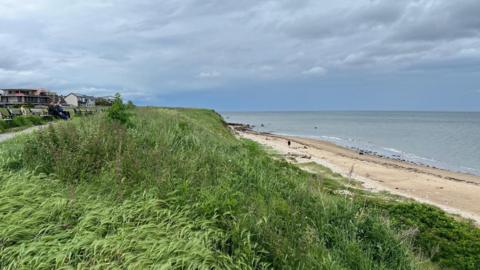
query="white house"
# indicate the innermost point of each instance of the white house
(79, 100)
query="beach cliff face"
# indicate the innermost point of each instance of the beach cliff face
(456, 193)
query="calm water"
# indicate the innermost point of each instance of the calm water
(449, 140)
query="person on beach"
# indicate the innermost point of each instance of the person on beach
(289, 143)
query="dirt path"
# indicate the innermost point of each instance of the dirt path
(10, 135)
(455, 193)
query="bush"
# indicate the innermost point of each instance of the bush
(35, 120)
(450, 243)
(23, 121)
(130, 105)
(20, 121)
(4, 125)
(119, 111)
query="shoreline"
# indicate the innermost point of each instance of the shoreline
(367, 152)
(454, 192)
(361, 151)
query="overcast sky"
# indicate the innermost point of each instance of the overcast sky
(249, 54)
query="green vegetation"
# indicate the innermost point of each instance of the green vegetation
(178, 190)
(450, 243)
(119, 111)
(23, 122)
(130, 105)
(103, 102)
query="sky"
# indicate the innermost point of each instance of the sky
(243, 55)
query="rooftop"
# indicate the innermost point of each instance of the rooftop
(81, 95)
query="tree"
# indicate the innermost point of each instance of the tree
(130, 105)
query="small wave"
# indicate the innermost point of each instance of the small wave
(393, 150)
(425, 159)
(331, 138)
(468, 168)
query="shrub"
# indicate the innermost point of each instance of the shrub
(23, 121)
(4, 125)
(130, 105)
(450, 243)
(20, 121)
(35, 120)
(119, 111)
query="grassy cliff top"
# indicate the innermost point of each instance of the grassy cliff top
(178, 191)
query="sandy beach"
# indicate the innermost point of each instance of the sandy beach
(455, 193)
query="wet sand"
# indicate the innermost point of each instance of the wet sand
(456, 193)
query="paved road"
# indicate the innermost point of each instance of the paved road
(7, 136)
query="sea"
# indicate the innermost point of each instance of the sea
(447, 140)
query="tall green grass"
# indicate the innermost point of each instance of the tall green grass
(23, 122)
(177, 191)
(449, 242)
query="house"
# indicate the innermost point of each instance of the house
(79, 100)
(38, 96)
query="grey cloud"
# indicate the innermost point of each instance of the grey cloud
(343, 20)
(8, 62)
(209, 74)
(151, 47)
(439, 20)
(315, 71)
